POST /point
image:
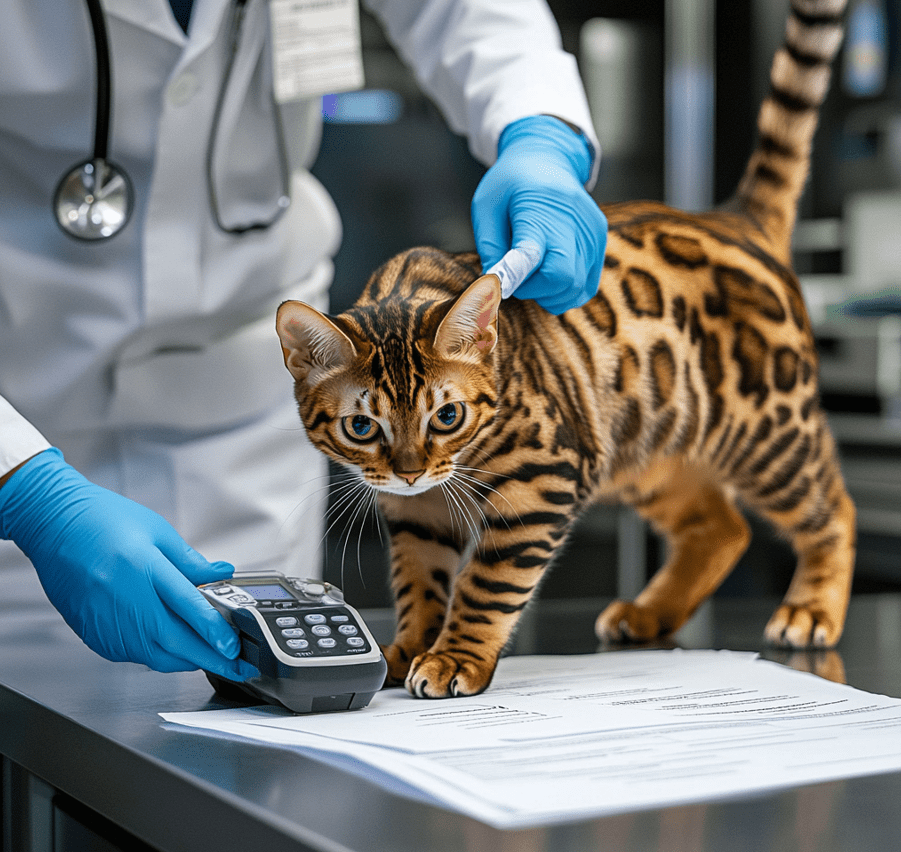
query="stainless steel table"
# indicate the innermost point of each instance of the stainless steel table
(87, 763)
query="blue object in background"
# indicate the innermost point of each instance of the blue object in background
(866, 50)
(368, 106)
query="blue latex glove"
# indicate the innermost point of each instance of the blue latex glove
(534, 197)
(119, 574)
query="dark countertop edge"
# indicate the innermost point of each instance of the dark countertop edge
(228, 821)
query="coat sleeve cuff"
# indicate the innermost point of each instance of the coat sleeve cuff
(19, 440)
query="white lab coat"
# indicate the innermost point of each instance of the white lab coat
(150, 359)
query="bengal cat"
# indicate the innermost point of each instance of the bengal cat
(687, 384)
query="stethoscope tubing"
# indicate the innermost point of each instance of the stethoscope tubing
(95, 199)
(104, 81)
(236, 25)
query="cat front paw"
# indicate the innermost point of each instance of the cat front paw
(798, 626)
(444, 675)
(398, 664)
(623, 622)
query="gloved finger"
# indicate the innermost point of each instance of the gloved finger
(567, 287)
(192, 564)
(490, 224)
(555, 277)
(184, 599)
(238, 670)
(184, 651)
(516, 266)
(592, 284)
(574, 298)
(533, 248)
(179, 594)
(558, 306)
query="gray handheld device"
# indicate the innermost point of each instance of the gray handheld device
(314, 652)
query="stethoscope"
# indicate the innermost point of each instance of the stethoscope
(94, 200)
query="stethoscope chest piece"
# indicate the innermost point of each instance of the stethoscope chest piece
(94, 200)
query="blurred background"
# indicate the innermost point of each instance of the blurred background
(674, 87)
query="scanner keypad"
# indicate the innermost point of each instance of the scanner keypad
(322, 632)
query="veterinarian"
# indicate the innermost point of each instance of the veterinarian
(141, 387)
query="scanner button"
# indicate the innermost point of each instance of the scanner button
(293, 632)
(326, 643)
(286, 621)
(356, 641)
(298, 644)
(314, 590)
(347, 629)
(314, 618)
(337, 618)
(321, 630)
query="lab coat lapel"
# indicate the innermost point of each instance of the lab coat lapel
(152, 15)
(156, 16)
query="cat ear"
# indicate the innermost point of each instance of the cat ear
(470, 326)
(312, 344)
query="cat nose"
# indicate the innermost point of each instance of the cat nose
(410, 476)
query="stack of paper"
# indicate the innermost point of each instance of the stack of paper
(570, 737)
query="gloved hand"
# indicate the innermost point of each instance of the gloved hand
(534, 193)
(118, 573)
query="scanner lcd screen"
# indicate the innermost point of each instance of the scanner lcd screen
(267, 593)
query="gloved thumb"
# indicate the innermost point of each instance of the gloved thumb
(517, 265)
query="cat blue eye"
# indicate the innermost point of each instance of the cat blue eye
(448, 417)
(359, 427)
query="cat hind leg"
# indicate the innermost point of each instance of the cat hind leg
(706, 536)
(813, 510)
(813, 610)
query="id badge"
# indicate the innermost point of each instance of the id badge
(316, 48)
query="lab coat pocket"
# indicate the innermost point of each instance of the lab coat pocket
(234, 379)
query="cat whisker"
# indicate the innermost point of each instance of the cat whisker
(371, 507)
(350, 486)
(378, 516)
(345, 501)
(476, 485)
(486, 457)
(329, 483)
(467, 490)
(480, 484)
(362, 506)
(461, 523)
(458, 490)
(443, 488)
(317, 492)
(457, 509)
(339, 509)
(492, 473)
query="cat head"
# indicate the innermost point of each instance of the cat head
(398, 388)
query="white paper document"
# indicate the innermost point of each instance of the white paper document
(560, 738)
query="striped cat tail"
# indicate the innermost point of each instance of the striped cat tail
(777, 171)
